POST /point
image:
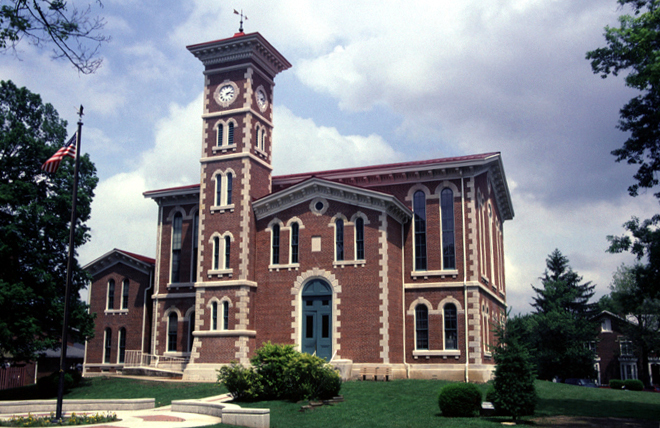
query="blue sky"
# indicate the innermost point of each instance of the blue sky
(371, 82)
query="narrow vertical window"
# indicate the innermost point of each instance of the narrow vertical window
(448, 248)
(124, 294)
(227, 250)
(218, 190)
(216, 253)
(359, 238)
(263, 139)
(230, 140)
(225, 315)
(276, 244)
(419, 209)
(422, 327)
(451, 327)
(339, 239)
(177, 223)
(172, 328)
(108, 346)
(191, 329)
(230, 180)
(111, 294)
(214, 316)
(221, 129)
(295, 230)
(195, 247)
(122, 346)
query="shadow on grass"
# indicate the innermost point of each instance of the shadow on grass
(621, 408)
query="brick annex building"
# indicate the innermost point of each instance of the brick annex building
(398, 266)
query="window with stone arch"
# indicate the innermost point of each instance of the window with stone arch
(124, 294)
(214, 315)
(224, 188)
(261, 137)
(220, 131)
(122, 346)
(275, 244)
(191, 330)
(451, 326)
(421, 327)
(295, 239)
(172, 330)
(339, 239)
(225, 133)
(111, 294)
(448, 237)
(107, 349)
(419, 211)
(177, 226)
(359, 238)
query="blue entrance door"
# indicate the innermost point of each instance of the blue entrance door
(317, 319)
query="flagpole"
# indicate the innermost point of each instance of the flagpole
(69, 272)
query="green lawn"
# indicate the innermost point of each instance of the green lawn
(401, 403)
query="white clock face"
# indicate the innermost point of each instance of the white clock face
(262, 98)
(226, 93)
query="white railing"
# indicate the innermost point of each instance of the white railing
(141, 359)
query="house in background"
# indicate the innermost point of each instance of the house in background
(394, 268)
(616, 357)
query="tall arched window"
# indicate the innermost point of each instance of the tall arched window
(191, 329)
(108, 345)
(214, 316)
(216, 253)
(448, 247)
(230, 139)
(230, 182)
(177, 224)
(124, 294)
(276, 244)
(218, 190)
(225, 315)
(195, 247)
(227, 250)
(221, 129)
(172, 327)
(339, 239)
(111, 294)
(451, 327)
(295, 230)
(419, 209)
(359, 238)
(421, 327)
(122, 346)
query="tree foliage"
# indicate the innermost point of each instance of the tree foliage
(35, 213)
(514, 373)
(561, 323)
(74, 33)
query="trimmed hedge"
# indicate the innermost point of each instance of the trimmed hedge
(460, 400)
(633, 384)
(616, 384)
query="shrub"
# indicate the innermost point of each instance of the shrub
(272, 361)
(459, 399)
(633, 384)
(616, 384)
(310, 377)
(243, 384)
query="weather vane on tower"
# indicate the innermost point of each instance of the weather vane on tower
(240, 30)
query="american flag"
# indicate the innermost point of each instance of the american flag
(69, 149)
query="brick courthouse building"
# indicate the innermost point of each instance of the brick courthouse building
(398, 266)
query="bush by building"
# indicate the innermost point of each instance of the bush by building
(459, 400)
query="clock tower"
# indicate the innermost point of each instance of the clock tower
(236, 161)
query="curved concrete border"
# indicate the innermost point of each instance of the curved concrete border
(231, 414)
(31, 406)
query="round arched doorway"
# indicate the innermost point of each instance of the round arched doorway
(317, 319)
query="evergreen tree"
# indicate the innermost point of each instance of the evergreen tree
(514, 374)
(561, 324)
(35, 214)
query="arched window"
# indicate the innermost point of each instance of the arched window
(359, 238)
(230, 139)
(230, 180)
(124, 295)
(214, 316)
(448, 248)
(177, 224)
(111, 294)
(451, 327)
(191, 329)
(295, 230)
(263, 139)
(421, 327)
(276, 244)
(419, 209)
(172, 327)
(122, 345)
(339, 239)
(227, 250)
(221, 129)
(216, 253)
(225, 315)
(218, 190)
(195, 246)
(108, 345)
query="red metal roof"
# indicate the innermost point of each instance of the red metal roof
(144, 259)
